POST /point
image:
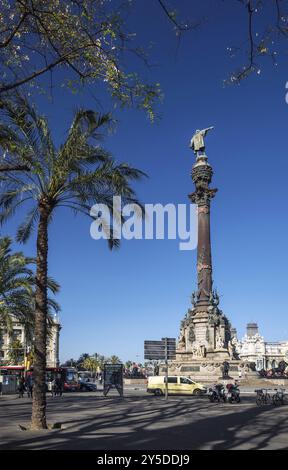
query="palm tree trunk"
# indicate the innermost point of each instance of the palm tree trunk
(38, 420)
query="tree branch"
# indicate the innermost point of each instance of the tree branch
(250, 66)
(36, 74)
(9, 39)
(282, 30)
(171, 18)
(4, 168)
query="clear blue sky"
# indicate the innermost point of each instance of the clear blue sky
(113, 301)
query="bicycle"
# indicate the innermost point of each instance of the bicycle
(278, 397)
(263, 397)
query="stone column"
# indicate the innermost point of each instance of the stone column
(205, 321)
(57, 328)
(202, 175)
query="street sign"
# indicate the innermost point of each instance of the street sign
(160, 350)
(153, 343)
(154, 350)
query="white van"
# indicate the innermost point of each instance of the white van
(176, 385)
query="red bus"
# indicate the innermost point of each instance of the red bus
(68, 375)
(9, 370)
(70, 379)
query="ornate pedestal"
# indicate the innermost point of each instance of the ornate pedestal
(202, 370)
(205, 342)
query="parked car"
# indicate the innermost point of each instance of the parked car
(71, 386)
(176, 385)
(88, 387)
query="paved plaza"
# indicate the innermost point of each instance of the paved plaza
(144, 422)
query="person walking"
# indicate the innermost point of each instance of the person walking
(21, 387)
(58, 386)
(29, 385)
(50, 386)
(54, 387)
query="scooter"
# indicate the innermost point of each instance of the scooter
(233, 393)
(217, 393)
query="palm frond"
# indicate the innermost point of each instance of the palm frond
(53, 285)
(25, 229)
(86, 125)
(22, 116)
(77, 176)
(5, 215)
(17, 288)
(53, 306)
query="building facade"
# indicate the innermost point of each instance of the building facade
(18, 333)
(265, 354)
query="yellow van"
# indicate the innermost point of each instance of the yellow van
(177, 385)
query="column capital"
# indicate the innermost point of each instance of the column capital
(202, 197)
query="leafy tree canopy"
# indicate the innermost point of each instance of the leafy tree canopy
(90, 41)
(85, 37)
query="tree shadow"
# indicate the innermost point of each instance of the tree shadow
(147, 422)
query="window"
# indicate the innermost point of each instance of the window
(185, 380)
(17, 334)
(171, 380)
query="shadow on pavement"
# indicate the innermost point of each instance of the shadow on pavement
(147, 422)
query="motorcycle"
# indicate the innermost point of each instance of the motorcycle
(217, 393)
(233, 393)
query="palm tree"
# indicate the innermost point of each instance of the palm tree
(76, 176)
(70, 363)
(115, 360)
(81, 359)
(101, 361)
(16, 286)
(17, 290)
(16, 352)
(91, 364)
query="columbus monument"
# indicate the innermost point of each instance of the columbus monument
(206, 339)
